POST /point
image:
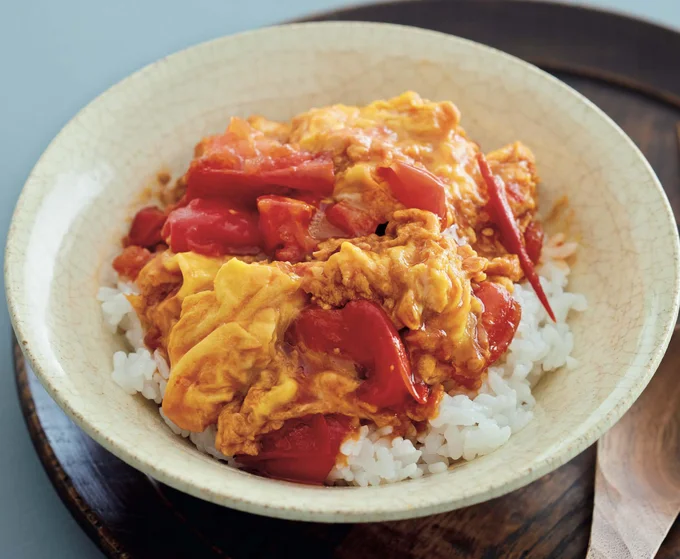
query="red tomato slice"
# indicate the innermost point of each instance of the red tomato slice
(320, 330)
(297, 437)
(415, 187)
(353, 221)
(363, 331)
(339, 426)
(303, 450)
(242, 164)
(533, 241)
(130, 262)
(213, 228)
(284, 224)
(204, 179)
(146, 227)
(500, 318)
(376, 342)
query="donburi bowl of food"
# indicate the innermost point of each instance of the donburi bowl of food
(343, 272)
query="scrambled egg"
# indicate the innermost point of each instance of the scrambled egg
(225, 337)
(222, 321)
(414, 130)
(420, 277)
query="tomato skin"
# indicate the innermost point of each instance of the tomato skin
(213, 228)
(386, 353)
(303, 450)
(297, 437)
(205, 180)
(415, 187)
(130, 262)
(284, 224)
(500, 318)
(363, 331)
(350, 219)
(145, 230)
(321, 330)
(533, 240)
(240, 166)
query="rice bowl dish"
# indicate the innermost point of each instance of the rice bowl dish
(400, 173)
(79, 200)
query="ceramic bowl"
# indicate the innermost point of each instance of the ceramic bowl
(74, 206)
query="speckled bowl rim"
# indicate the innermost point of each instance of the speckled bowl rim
(434, 503)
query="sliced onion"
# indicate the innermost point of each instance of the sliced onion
(321, 229)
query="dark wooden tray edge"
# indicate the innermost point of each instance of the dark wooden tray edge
(84, 515)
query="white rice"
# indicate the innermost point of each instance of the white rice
(466, 426)
(139, 370)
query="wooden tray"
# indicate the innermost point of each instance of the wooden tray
(625, 66)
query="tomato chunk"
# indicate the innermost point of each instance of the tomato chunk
(533, 241)
(130, 262)
(363, 331)
(146, 227)
(205, 179)
(213, 228)
(352, 220)
(242, 164)
(284, 224)
(303, 450)
(415, 187)
(500, 318)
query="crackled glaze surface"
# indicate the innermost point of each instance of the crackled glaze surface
(74, 205)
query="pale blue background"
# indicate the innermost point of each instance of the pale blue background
(55, 56)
